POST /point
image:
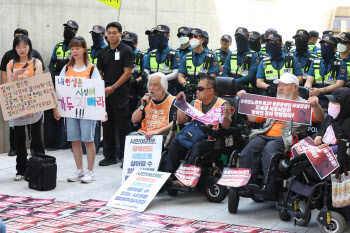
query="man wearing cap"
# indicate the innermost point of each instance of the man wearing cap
(329, 32)
(255, 42)
(243, 63)
(151, 40)
(206, 40)
(163, 58)
(197, 63)
(344, 50)
(98, 34)
(264, 48)
(274, 137)
(328, 73)
(224, 51)
(314, 36)
(184, 40)
(115, 63)
(274, 66)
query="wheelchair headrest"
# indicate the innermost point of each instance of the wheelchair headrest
(225, 86)
(304, 92)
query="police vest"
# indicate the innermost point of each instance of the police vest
(272, 74)
(348, 70)
(329, 78)
(195, 72)
(157, 115)
(217, 53)
(307, 65)
(136, 71)
(92, 60)
(263, 49)
(164, 67)
(62, 57)
(240, 71)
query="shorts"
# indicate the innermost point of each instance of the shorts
(80, 130)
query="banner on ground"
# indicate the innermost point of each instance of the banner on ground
(213, 117)
(275, 108)
(80, 98)
(188, 174)
(141, 153)
(138, 190)
(113, 3)
(323, 160)
(235, 177)
(29, 95)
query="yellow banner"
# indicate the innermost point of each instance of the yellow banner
(113, 3)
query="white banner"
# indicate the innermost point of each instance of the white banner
(141, 153)
(80, 98)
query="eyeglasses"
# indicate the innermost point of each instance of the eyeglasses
(193, 36)
(200, 89)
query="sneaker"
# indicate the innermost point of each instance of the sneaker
(88, 177)
(18, 177)
(76, 176)
(107, 162)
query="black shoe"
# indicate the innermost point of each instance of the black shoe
(107, 162)
(12, 152)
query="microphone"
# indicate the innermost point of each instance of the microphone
(145, 103)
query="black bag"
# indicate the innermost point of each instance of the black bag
(41, 172)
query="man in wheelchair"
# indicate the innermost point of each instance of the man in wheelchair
(274, 138)
(206, 100)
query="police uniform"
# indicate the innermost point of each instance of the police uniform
(182, 32)
(222, 55)
(313, 48)
(93, 51)
(345, 39)
(206, 40)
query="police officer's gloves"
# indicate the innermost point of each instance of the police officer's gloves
(272, 89)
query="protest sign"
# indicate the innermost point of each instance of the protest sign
(141, 153)
(29, 95)
(275, 108)
(235, 177)
(213, 117)
(322, 160)
(138, 190)
(80, 98)
(113, 3)
(188, 174)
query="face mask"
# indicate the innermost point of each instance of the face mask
(255, 45)
(194, 43)
(184, 40)
(242, 44)
(151, 42)
(342, 48)
(301, 46)
(333, 110)
(68, 36)
(130, 44)
(161, 41)
(97, 40)
(327, 52)
(275, 51)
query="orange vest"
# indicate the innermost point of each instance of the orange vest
(157, 115)
(84, 74)
(29, 69)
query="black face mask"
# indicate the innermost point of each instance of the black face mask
(301, 46)
(205, 43)
(275, 51)
(242, 44)
(68, 36)
(327, 52)
(255, 45)
(130, 44)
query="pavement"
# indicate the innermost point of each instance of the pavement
(192, 205)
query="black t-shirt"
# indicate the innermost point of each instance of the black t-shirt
(113, 69)
(8, 56)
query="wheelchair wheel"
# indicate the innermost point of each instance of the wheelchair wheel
(214, 192)
(233, 200)
(172, 192)
(284, 216)
(338, 224)
(257, 199)
(302, 208)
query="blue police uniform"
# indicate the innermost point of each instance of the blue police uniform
(315, 48)
(160, 57)
(95, 51)
(183, 51)
(224, 54)
(198, 60)
(64, 48)
(325, 68)
(253, 67)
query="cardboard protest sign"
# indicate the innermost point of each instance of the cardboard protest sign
(138, 190)
(235, 177)
(141, 153)
(29, 95)
(274, 108)
(188, 174)
(323, 160)
(80, 98)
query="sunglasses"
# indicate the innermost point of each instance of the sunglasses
(193, 36)
(200, 89)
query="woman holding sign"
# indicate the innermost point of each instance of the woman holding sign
(21, 67)
(79, 130)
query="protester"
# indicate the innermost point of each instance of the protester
(22, 47)
(79, 130)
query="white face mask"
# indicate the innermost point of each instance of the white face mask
(184, 40)
(342, 48)
(194, 43)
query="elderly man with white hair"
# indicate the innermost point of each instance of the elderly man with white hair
(274, 137)
(156, 117)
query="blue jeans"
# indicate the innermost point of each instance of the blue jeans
(80, 129)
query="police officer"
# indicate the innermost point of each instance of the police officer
(275, 65)
(314, 36)
(197, 63)
(184, 40)
(61, 53)
(264, 49)
(242, 64)
(151, 40)
(224, 51)
(329, 32)
(255, 43)
(328, 73)
(206, 40)
(301, 52)
(98, 35)
(163, 58)
(344, 50)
